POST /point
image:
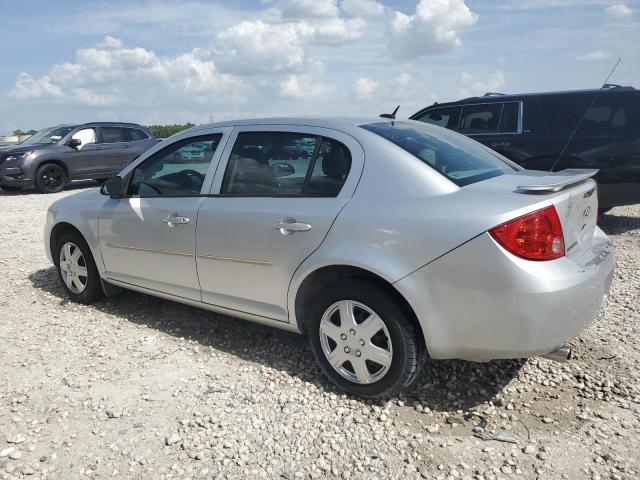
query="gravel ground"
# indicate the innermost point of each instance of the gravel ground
(139, 388)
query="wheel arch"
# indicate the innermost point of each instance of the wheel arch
(57, 232)
(315, 280)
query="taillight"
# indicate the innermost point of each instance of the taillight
(534, 236)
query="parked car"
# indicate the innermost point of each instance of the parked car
(534, 130)
(54, 156)
(392, 241)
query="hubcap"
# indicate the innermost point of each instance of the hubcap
(356, 342)
(73, 267)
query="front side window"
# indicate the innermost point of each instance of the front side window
(480, 118)
(509, 117)
(447, 117)
(112, 134)
(460, 159)
(86, 137)
(178, 170)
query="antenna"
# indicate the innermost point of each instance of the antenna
(391, 115)
(595, 99)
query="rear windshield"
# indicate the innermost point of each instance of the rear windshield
(460, 159)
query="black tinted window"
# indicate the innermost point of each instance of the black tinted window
(460, 159)
(509, 117)
(178, 170)
(269, 163)
(480, 118)
(134, 134)
(112, 134)
(563, 112)
(330, 170)
(447, 117)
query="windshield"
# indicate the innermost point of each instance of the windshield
(460, 159)
(48, 135)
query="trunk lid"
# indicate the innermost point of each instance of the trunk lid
(572, 192)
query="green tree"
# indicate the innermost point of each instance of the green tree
(164, 131)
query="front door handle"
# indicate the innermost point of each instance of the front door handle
(289, 226)
(500, 144)
(173, 220)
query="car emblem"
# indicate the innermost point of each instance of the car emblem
(587, 212)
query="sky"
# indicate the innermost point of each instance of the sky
(169, 61)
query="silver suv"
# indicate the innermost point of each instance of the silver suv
(54, 156)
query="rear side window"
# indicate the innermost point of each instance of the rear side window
(563, 112)
(272, 164)
(483, 118)
(509, 117)
(447, 117)
(460, 159)
(112, 134)
(134, 134)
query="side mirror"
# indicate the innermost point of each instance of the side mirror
(74, 143)
(113, 188)
(283, 170)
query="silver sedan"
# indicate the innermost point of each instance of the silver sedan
(384, 241)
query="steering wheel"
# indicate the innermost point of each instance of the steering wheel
(193, 173)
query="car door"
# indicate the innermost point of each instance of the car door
(276, 195)
(87, 158)
(496, 125)
(118, 152)
(147, 239)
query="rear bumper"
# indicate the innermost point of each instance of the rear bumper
(479, 302)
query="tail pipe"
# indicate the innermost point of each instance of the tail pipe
(560, 354)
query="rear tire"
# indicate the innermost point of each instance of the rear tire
(10, 188)
(50, 178)
(377, 351)
(77, 270)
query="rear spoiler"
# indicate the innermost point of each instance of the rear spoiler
(556, 181)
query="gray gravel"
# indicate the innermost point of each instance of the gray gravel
(140, 388)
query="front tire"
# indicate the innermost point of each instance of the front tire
(50, 178)
(364, 340)
(77, 270)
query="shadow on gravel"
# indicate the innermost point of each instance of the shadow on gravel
(444, 385)
(76, 185)
(617, 224)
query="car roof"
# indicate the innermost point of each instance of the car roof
(323, 122)
(88, 124)
(493, 97)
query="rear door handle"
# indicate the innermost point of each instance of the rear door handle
(173, 220)
(289, 226)
(500, 144)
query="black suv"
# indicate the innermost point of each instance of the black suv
(54, 156)
(534, 129)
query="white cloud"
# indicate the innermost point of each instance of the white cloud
(110, 42)
(619, 11)
(307, 8)
(26, 87)
(365, 87)
(302, 87)
(434, 28)
(479, 84)
(362, 8)
(256, 47)
(336, 31)
(593, 55)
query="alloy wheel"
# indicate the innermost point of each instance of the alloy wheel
(52, 177)
(356, 342)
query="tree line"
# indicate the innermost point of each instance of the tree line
(160, 131)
